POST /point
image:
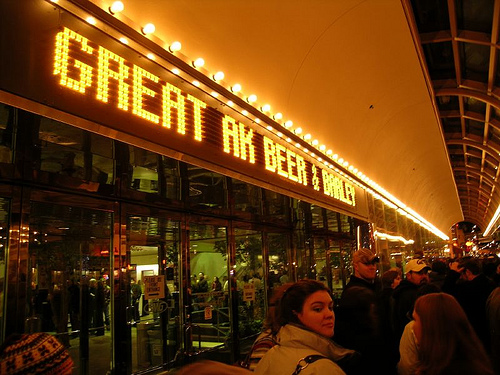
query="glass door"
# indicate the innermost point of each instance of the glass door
(69, 294)
(209, 285)
(153, 313)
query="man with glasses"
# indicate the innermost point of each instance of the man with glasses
(406, 293)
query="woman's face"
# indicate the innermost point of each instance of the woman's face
(317, 313)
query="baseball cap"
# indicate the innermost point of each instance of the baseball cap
(416, 265)
(365, 256)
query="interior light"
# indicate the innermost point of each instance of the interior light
(266, 108)
(236, 87)
(252, 98)
(175, 46)
(116, 7)
(278, 116)
(218, 76)
(199, 62)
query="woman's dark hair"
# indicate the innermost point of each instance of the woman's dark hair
(288, 300)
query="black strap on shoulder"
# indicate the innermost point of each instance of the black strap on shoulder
(306, 361)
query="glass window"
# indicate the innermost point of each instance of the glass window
(209, 284)
(249, 281)
(246, 197)
(7, 115)
(144, 170)
(73, 152)
(275, 206)
(345, 224)
(4, 230)
(333, 221)
(207, 189)
(317, 217)
(279, 267)
(172, 177)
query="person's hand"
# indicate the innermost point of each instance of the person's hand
(455, 266)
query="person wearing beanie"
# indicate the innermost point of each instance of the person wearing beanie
(38, 353)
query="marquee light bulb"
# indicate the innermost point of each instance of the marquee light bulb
(298, 131)
(278, 116)
(175, 46)
(116, 7)
(315, 142)
(236, 88)
(307, 136)
(199, 62)
(219, 76)
(288, 124)
(252, 98)
(266, 108)
(148, 29)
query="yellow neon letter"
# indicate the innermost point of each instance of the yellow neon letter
(290, 161)
(140, 90)
(280, 159)
(197, 106)
(61, 63)
(228, 122)
(246, 140)
(269, 154)
(105, 73)
(301, 170)
(176, 104)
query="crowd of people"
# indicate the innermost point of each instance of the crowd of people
(437, 318)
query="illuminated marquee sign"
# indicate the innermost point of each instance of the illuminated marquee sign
(90, 69)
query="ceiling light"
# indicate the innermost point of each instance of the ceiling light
(116, 7)
(252, 98)
(148, 29)
(218, 76)
(199, 62)
(175, 46)
(236, 88)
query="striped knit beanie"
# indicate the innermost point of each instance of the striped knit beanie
(37, 353)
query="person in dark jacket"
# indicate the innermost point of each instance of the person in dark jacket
(471, 288)
(358, 325)
(417, 275)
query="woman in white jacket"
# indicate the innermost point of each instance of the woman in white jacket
(305, 315)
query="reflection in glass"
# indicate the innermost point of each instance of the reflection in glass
(154, 250)
(4, 236)
(209, 285)
(69, 278)
(206, 189)
(250, 281)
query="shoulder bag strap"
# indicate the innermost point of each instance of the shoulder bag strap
(306, 361)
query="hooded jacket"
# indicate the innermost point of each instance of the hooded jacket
(295, 343)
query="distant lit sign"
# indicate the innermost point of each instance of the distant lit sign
(81, 64)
